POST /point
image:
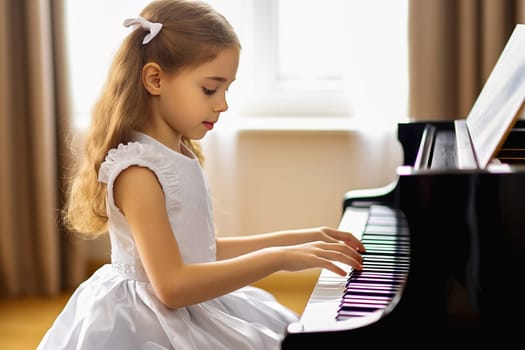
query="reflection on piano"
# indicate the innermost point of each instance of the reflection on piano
(445, 241)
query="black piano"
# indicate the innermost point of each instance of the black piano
(445, 240)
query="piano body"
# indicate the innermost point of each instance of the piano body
(455, 259)
(446, 240)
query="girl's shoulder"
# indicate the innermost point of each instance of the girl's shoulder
(126, 155)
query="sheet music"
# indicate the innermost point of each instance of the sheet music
(501, 100)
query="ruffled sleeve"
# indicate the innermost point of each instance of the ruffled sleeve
(135, 153)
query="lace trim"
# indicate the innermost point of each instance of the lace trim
(135, 153)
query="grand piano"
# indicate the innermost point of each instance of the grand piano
(445, 240)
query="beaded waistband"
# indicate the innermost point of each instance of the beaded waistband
(131, 272)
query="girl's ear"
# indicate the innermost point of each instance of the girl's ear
(151, 76)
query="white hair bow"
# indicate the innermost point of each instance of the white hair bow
(151, 27)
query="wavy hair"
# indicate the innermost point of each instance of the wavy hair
(193, 33)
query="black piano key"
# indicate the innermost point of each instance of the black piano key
(392, 239)
(371, 249)
(372, 291)
(350, 300)
(369, 276)
(347, 297)
(399, 272)
(380, 269)
(359, 307)
(378, 280)
(385, 268)
(385, 259)
(357, 304)
(373, 274)
(372, 288)
(381, 245)
(383, 241)
(385, 263)
(387, 230)
(392, 250)
(345, 314)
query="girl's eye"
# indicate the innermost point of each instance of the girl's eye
(208, 91)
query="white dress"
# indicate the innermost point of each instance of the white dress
(116, 308)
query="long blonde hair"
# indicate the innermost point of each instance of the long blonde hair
(192, 33)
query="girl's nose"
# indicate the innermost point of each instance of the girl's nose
(222, 105)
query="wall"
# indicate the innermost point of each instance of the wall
(268, 180)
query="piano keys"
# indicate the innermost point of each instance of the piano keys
(384, 233)
(385, 265)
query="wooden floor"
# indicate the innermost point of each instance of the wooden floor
(24, 321)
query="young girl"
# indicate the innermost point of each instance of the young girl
(171, 283)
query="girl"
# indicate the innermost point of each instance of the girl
(171, 283)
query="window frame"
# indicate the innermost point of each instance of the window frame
(263, 93)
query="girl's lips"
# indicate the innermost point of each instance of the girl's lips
(208, 125)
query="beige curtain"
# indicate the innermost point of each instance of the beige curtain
(454, 45)
(37, 257)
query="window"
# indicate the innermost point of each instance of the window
(302, 58)
(329, 58)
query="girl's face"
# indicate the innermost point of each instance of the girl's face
(189, 102)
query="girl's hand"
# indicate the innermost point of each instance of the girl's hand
(328, 234)
(320, 254)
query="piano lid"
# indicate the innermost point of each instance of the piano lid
(501, 101)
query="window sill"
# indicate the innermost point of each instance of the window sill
(296, 124)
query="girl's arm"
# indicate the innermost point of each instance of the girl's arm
(228, 247)
(139, 196)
